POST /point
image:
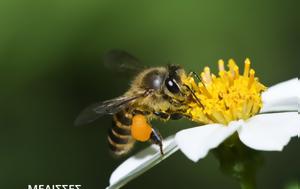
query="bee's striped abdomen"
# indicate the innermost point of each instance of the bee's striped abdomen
(119, 136)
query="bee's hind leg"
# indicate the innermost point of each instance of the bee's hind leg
(156, 138)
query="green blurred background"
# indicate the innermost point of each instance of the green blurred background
(50, 54)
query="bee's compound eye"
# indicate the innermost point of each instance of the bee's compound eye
(140, 129)
(172, 86)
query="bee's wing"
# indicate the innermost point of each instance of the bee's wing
(122, 61)
(94, 111)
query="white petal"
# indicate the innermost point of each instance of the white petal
(196, 142)
(284, 96)
(270, 132)
(141, 162)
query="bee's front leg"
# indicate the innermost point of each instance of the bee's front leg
(156, 138)
(166, 116)
(162, 115)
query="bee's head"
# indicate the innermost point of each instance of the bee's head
(168, 80)
(173, 79)
(173, 85)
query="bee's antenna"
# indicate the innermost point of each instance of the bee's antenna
(194, 95)
(196, 75)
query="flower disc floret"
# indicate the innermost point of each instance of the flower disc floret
(227, 97)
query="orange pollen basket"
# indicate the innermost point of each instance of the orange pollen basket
(140, 128)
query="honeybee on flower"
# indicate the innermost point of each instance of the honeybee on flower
(230, 102)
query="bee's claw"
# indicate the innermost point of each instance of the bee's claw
(161, 149)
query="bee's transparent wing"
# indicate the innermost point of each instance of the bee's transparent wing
(94, 111)
(122, 61)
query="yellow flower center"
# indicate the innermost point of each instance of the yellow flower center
(226, 97)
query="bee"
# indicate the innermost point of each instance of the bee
(154, 93)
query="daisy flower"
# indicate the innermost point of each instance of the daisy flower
(264, 119)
